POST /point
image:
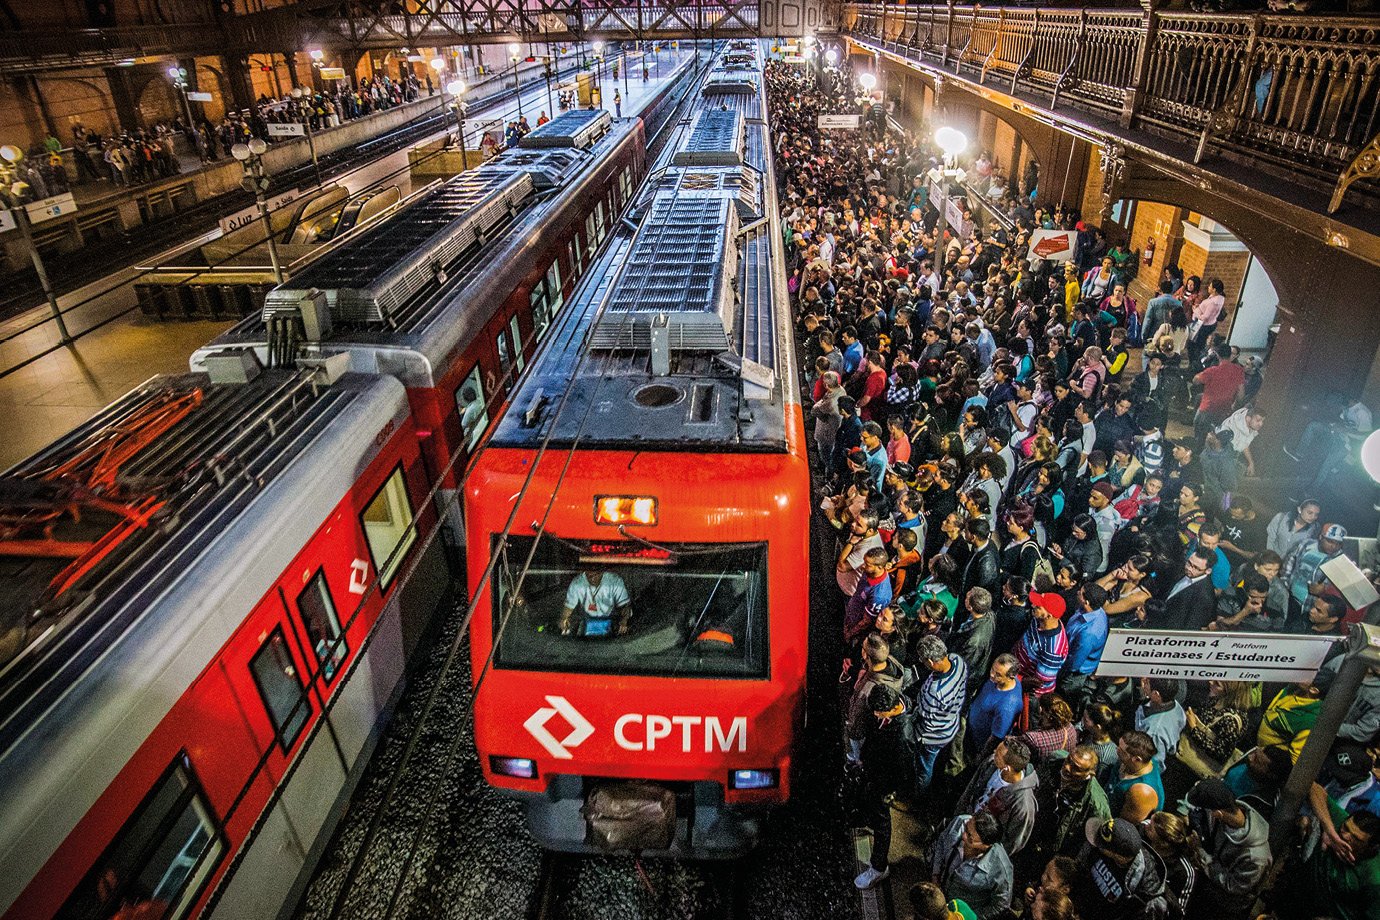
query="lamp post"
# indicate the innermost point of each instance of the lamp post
(13, 191)
(178, 75)
(255, 180)
(515, 52)
(299, 99)
(457, 89)
(599, 71)
(952, 142)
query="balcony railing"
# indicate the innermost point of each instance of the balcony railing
(1301, 94)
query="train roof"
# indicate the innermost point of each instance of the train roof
(410, 282)
(680, 336)
(101, 523)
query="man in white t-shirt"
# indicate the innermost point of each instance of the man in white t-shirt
(599, 596)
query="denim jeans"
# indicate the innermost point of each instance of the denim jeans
(924, 767)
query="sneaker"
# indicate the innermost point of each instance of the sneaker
(869, 877)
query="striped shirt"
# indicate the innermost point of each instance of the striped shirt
(941, 703)
(1041, 654)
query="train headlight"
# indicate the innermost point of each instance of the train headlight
(753, 779)
(625, 509)
(520, 767)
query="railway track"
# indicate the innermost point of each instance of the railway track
(575, 887)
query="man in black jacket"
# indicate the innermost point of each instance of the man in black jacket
(887, 753)
(1066, 798)
(983, 568)
(973, 640)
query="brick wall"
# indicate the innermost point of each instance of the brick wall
(1161, 223)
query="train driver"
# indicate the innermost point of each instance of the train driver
(599, 596)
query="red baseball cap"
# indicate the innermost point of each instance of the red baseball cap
(1051, 603)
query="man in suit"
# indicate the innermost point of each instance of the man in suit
(1191, 603)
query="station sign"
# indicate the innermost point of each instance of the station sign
(286, 129)
(1208, 655)
(250, 214)
(195, 96)
(1056, 245)
(332, 73)
(49, 208)
(850, 122)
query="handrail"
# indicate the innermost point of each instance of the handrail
(1295, 94)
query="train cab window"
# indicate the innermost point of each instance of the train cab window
(161, 860)
(388, 527)
(505, 357)
(323, 624)
(469, 402)
(517, 342)
(281, 688)
(621, 608)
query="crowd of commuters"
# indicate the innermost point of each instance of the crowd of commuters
(994, 455)
(142, 155)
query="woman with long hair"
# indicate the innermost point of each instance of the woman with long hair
(1099, 721)
(1127, 589)
(1170, 836)
(1054, 733)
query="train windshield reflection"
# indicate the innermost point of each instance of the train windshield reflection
(626, 608)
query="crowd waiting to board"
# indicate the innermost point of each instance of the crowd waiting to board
(1015, 457)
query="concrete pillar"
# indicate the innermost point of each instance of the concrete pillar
(122, 95)
(290, 58)
(236, 70)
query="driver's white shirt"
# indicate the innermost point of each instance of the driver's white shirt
(601, 602)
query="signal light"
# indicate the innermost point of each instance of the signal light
(520, 767)
(625, 509)
(753, 779)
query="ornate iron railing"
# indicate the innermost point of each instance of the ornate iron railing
(1303, 94)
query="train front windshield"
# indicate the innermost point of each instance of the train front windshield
(625, 608)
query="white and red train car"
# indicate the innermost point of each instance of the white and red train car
(212, 592)
(639, 649)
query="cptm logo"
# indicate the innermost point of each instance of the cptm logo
(580, 729)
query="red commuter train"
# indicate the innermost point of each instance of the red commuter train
(215, 587)
(638, 520)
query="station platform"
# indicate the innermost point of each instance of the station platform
(46, 389)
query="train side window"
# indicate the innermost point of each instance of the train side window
(281, 688)
(504, 358)
(541, 313)
(599, 223)
(317, 608)
(388, 530)
(590, 236)
(161, 860)
(625, 183)
(553, 287)
(577, 254)
(469, 402)
(517, 342)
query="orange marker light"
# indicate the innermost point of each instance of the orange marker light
(625, 509)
